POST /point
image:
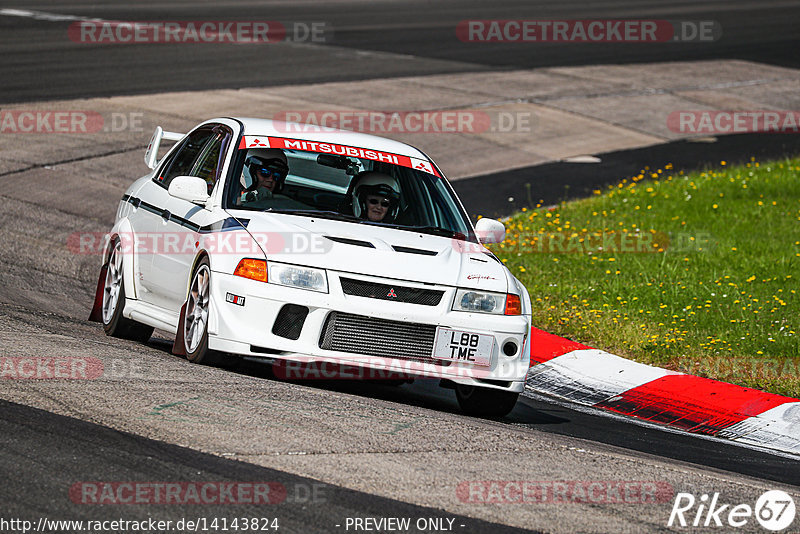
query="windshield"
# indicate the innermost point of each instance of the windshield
(347, 188)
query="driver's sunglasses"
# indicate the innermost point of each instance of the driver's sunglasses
(385, 203)
(271, 173)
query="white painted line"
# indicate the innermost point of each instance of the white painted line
(41, 15)
(55, 17)
(582, 159)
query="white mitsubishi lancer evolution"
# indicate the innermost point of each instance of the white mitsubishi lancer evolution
(295, 243)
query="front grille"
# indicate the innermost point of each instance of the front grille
(346, 332)
(289, 322)
(413, 295)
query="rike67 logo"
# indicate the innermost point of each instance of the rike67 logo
(774, 510)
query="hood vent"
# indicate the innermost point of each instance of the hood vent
(409, 250)
(348, 241)
(495, 258)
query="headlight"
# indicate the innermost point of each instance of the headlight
(300, 277)
(470, 300)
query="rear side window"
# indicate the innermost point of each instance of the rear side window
(208, 164)
(182, 161)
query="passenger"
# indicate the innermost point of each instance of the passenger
(377, 207)
(376, 197)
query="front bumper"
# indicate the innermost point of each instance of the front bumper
(248, 329)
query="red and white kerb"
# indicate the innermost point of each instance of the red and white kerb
(576, 372)
(257, 141)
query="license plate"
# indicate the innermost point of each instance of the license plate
(462, 346)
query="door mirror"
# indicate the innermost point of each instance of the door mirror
(490, 231)
(189, 188)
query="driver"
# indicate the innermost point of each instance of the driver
(376, 197)
(266, 169)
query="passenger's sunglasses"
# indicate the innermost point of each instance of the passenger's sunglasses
(271, 173)
(385, 203)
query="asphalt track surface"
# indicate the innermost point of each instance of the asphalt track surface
(368, 40)
(82, 434)
(77, 450)
(406, 444)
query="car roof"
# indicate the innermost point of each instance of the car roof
(310, 132)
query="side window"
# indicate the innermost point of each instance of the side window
(182, 162)
(208, 164)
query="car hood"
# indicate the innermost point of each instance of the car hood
(375, 251)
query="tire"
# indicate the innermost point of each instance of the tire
(485, 402)
(195, 322)
(114, 323)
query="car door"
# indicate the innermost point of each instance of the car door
(161, 252)
(170, 269)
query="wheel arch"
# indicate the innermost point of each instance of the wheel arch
(212, 308)
(178, 347)
(120, 230)
(202, 253)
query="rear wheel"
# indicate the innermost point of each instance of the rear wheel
(114, 302)
(485, 402)
(195, 322)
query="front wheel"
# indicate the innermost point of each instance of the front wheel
(113, 305)
(485, 402)
(195, 322)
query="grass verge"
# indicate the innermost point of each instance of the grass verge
(693, 272)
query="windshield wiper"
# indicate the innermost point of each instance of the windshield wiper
(335, 215)
(433, 230)
(318, 213)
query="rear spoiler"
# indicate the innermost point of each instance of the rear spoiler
(151, 155)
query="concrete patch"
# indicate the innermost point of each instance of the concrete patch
(576, 110)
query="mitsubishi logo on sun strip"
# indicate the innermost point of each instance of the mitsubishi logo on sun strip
(259, 141)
